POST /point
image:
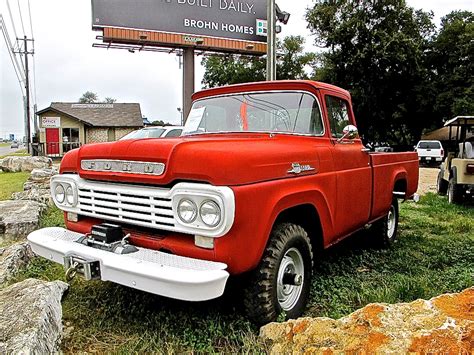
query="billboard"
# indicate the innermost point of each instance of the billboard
(232, 19)
(242, 20)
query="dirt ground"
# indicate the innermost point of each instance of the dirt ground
(427, 182)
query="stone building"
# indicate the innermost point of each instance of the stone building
(64, 126)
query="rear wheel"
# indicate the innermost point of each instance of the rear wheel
(281, 282)
(454, 192)
(441, 184)
(385, 229)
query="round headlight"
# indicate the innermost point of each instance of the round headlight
(59, 193)
(210, 213)
(70, 195)
(187, 211)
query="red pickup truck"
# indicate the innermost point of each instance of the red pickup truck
(263, 175)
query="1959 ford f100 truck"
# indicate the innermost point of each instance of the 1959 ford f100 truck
(264, 175)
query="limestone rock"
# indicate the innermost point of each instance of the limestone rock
(12, 259)
(44, 174)
(36, 188)
(39, 195)
(18, 218)
(27, 163)
(444, 324)
(31, 317)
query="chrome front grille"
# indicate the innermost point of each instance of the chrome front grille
(130, 204)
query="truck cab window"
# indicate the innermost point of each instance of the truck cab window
(338, 115)
(286, 112)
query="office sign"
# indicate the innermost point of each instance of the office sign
(227, 19)
(51, 122)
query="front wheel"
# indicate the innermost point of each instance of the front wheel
(385, 229)
(281, 282)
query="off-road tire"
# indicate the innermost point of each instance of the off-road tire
(384, 232)
(260, 296)
(454, 192)
(441, 184)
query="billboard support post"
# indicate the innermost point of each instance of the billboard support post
(271, 40)
(188, 80)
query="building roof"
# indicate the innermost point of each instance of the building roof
(100, 114)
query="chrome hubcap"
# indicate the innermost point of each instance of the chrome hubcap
(289, 294)
(391, 222)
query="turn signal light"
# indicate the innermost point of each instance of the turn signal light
(470, 168)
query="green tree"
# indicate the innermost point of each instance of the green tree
(452, 66)
(88, 97)
(161, 123)
(110, 100)
(376, 49)
(233, 69)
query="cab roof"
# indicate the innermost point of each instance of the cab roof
(271, 85)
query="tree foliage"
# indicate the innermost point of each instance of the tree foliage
(161, 123)
(376, 49)
(88, 97)
(234, 69)
(452, 65)
(110, 100)
(403, 75)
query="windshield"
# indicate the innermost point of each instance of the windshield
(291, 112)
(429, 145)
(144, 133)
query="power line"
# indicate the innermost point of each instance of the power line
(11, 19)
(34, 77)
(12, 49)
(16, 67)
(31, 23)
(34, 62)
(21, 17)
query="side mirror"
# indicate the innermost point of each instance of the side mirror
(349, 132)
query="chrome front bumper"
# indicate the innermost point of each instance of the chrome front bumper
(147, 270)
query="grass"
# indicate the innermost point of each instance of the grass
(18, 153)
(434, 254)
(10, 183)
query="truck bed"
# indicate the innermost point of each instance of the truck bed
(388, 167)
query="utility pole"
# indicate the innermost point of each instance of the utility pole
(271, 40)
(188, 80)
(27, 87)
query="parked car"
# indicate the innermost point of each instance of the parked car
(155, 132)
(456, 176)
(265, 175)
(15, 144)
(430, 152)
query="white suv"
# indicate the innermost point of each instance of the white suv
(430, 152)
(155, 132)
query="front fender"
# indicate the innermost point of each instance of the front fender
(257, 207)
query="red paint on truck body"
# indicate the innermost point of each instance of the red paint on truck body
(348, 188)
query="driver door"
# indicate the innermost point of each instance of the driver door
(351, 166)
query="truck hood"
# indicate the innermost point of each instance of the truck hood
(219, 159)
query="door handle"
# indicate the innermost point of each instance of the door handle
(365, 150)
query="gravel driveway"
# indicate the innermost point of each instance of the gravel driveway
(427, 181)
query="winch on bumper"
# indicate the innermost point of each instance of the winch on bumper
(147, 270)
